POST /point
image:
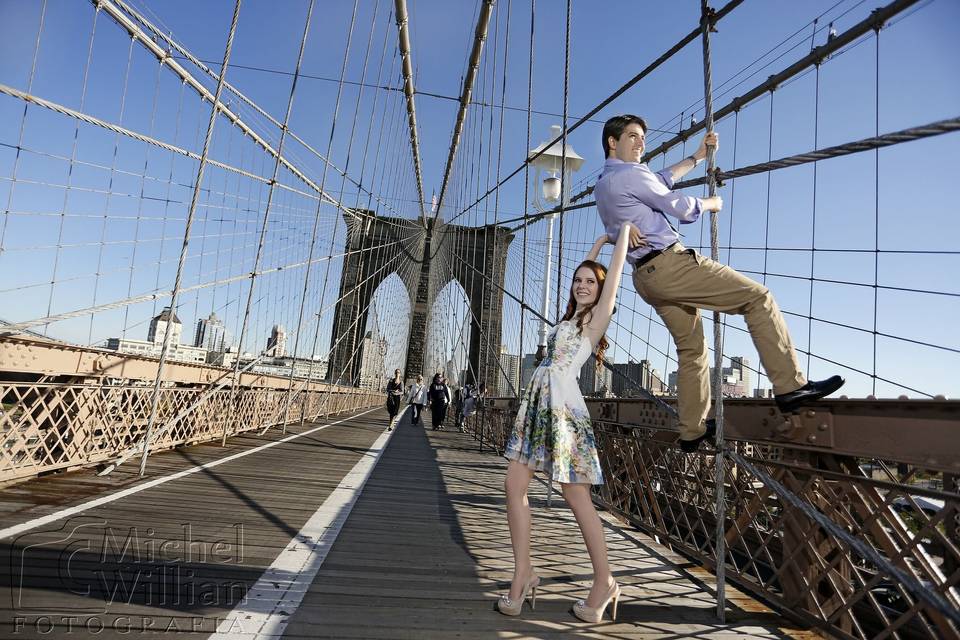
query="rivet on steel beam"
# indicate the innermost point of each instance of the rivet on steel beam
(811, 413)
(811, 438)
(772, 411)
(823, 426)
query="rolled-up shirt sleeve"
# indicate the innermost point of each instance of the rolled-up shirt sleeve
(666, 177)
(654, 190)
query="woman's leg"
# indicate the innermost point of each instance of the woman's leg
(578, 497)
(518, 517)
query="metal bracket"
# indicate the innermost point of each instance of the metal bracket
(809, 427)
(609, 411)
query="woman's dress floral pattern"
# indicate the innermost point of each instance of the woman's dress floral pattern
(552, 432)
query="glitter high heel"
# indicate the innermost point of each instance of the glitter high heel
(589, 614)
(509, 607)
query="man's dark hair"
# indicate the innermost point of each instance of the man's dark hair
(615, 126)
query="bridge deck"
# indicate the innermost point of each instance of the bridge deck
(422, 553)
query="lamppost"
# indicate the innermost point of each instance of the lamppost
(546, 190)
(382, 352)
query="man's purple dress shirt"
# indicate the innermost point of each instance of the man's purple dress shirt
(631, 192)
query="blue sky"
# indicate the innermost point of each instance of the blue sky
(609, 44)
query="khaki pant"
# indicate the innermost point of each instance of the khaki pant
(678, 283)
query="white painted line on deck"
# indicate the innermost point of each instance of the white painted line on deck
(271, 602)
(80, 508)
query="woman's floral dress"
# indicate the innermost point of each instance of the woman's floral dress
(552, 432)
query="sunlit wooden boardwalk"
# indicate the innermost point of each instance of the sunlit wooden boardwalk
(422, 550)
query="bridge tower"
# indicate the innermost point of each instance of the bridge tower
(473, 256)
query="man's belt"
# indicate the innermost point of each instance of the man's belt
(650, 256)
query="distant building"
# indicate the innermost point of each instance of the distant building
(739, 373)
(593, 383)
(167, 320)
(527, 365)
(211, 334)
(372, 375)
(158, 327)
(222, 358)
(508, 378)
(736, 378)
(277, 342)
(302, 367)
(176, 353)
(628, 377)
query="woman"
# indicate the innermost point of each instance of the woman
(552, 432)
(394, 393)
(439, 399)
(417, 395)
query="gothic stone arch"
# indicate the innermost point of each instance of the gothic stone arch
(476, 258)
(473, 256)
(371, 256)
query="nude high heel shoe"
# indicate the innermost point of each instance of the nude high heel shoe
(589, 614)
(509, 607)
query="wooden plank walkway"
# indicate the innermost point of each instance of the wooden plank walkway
(423, 553)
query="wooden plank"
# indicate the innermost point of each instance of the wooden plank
(424, 553)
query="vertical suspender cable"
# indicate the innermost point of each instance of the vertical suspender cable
(876, 212)
(365, 223)
(564, 187)
(214, 109)
(73, 158)
(813, 230)
(496, 202)
(323, 181)
(485, 291)
(23, 126)
(266, 212)
(766, 228)
(109, 195)
(563, 192)
(526, 187)
(706, 24)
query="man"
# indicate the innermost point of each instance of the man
(677, 282)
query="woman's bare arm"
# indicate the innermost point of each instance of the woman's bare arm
(597, 247)
(603, 311)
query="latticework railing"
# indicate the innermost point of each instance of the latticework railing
(899, 499)
(62, 422)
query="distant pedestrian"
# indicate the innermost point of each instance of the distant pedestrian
(417, 397)
(469, 404)
(439, 400)
(394, 394)
(459, 397)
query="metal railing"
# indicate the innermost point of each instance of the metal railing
(847, 460)
(92, 406)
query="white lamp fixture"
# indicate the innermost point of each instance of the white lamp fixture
(550, 162)
(554, 190)
(551, 188)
